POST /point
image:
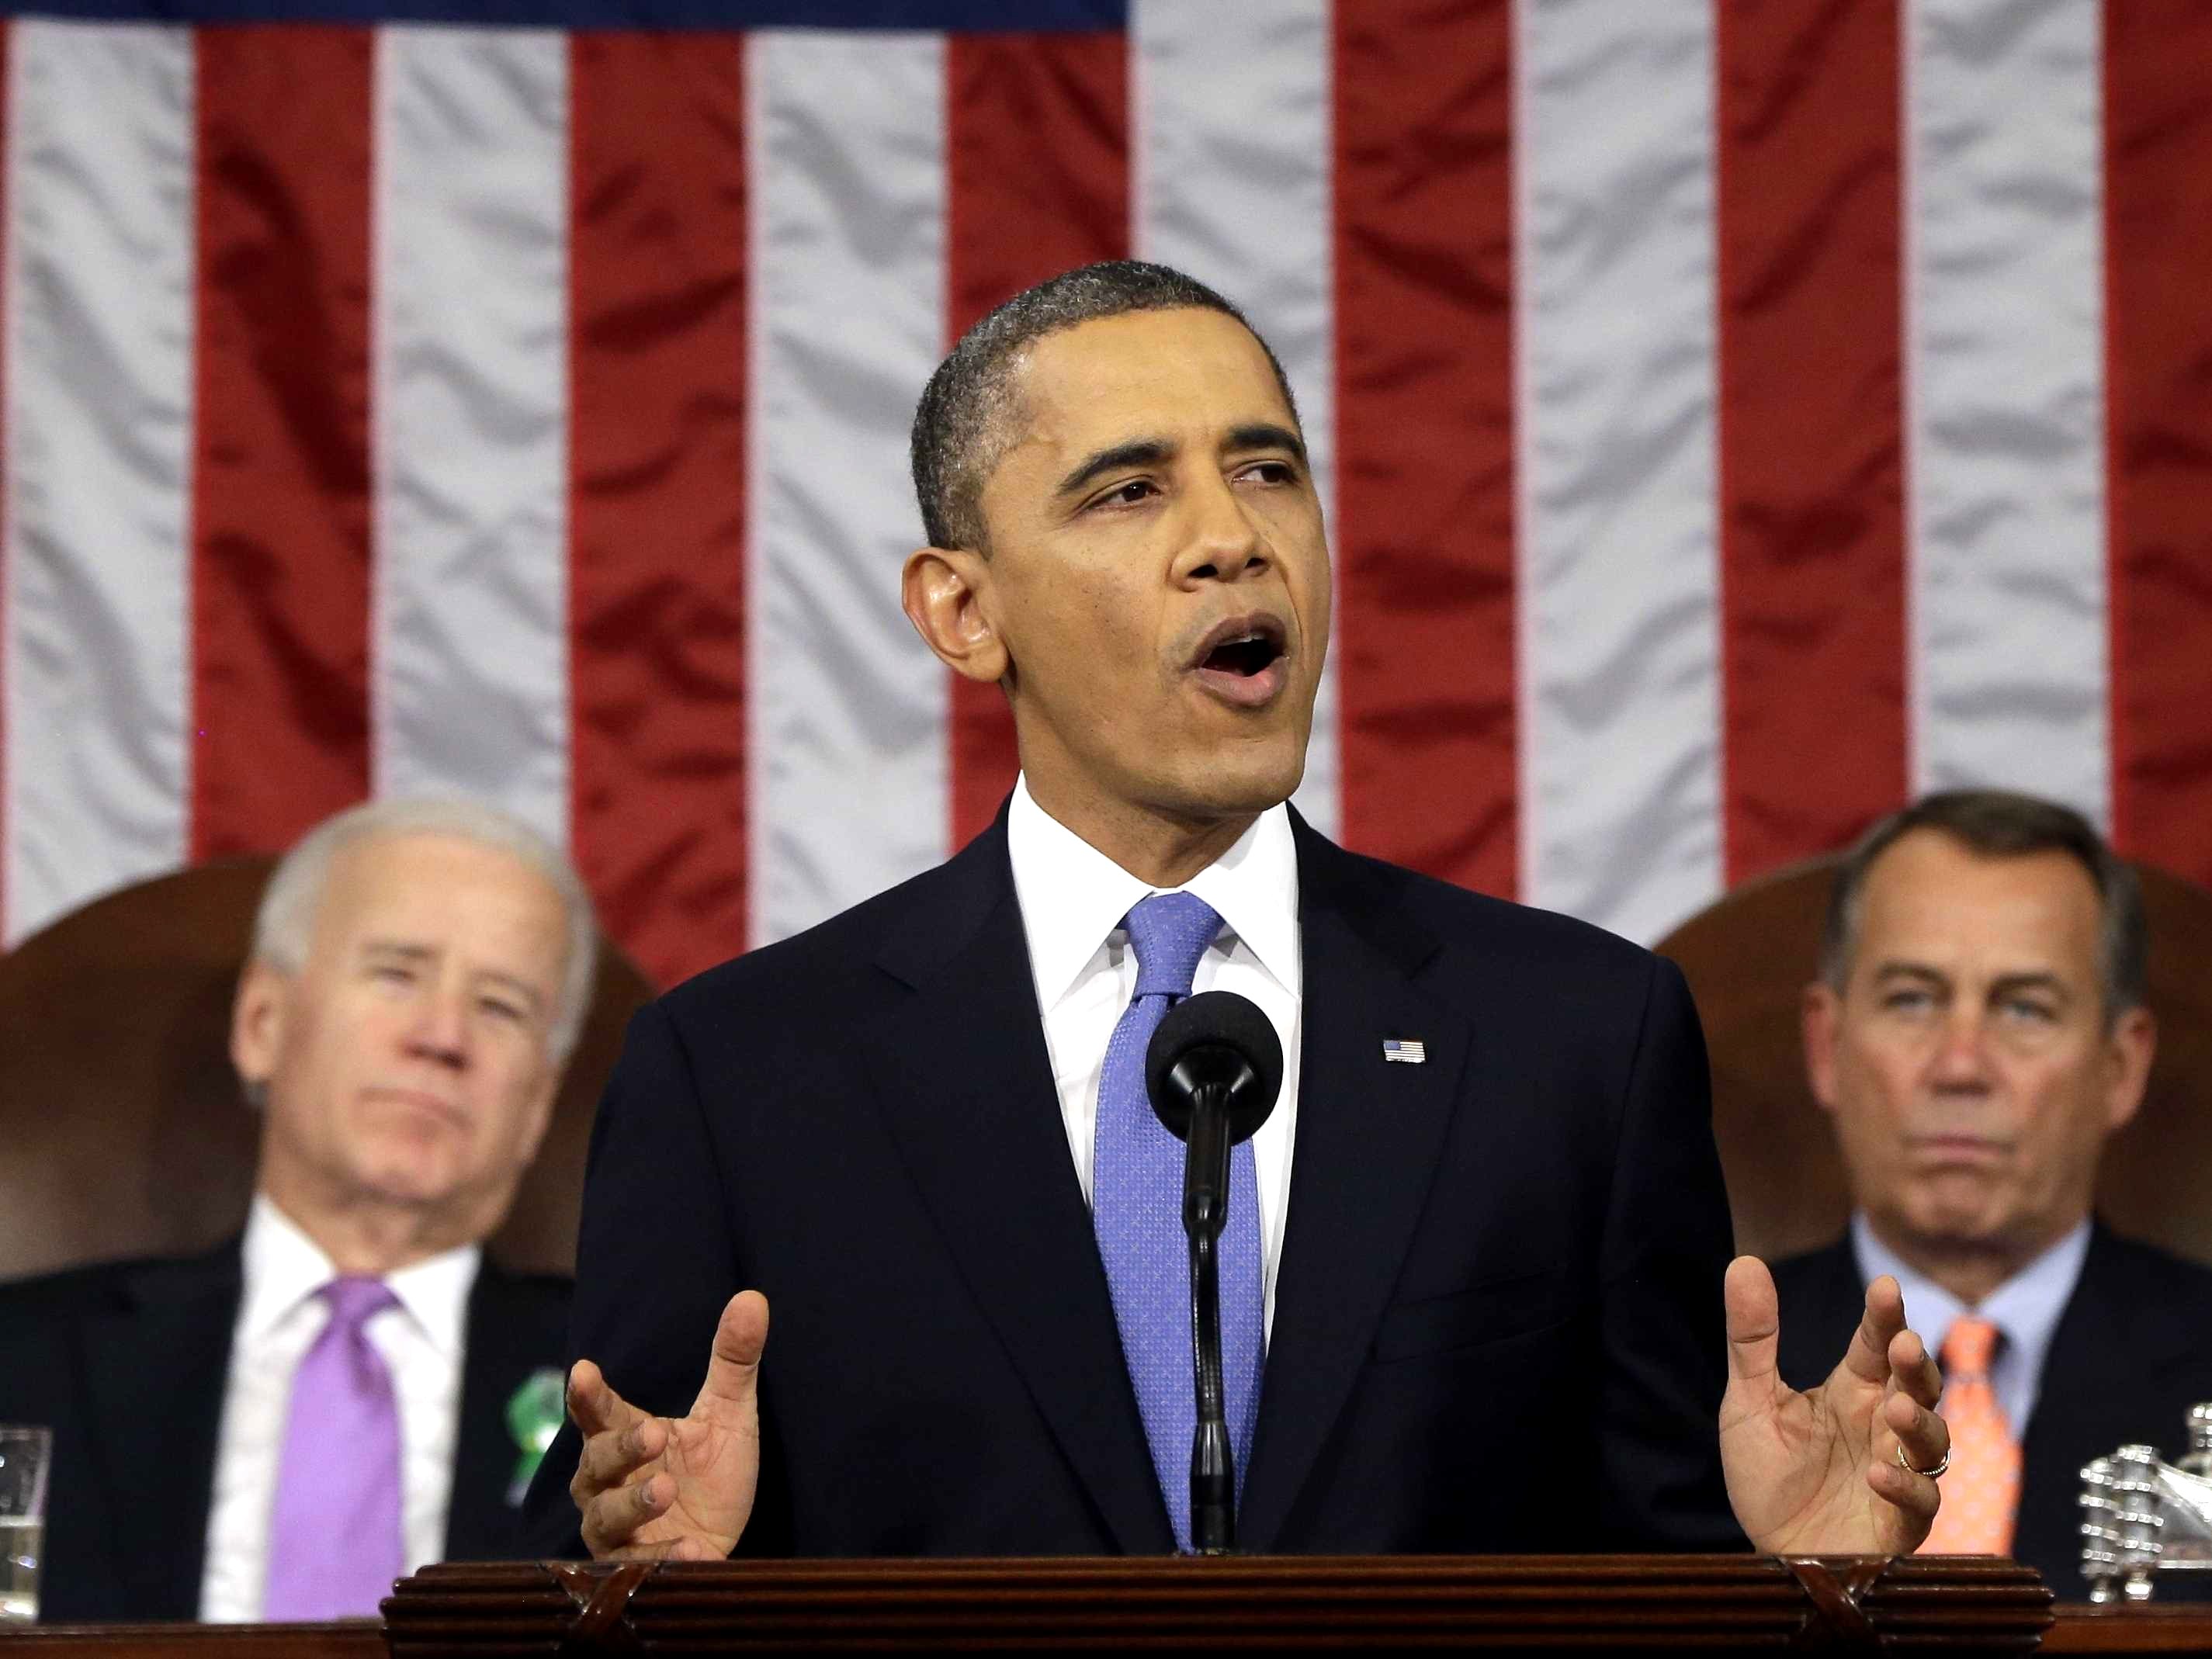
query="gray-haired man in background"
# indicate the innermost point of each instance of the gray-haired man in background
(1977, 1032)
(278, 1428)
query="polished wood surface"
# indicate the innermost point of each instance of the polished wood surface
(1307, 1605)
(1575, 1603)
(349, 1641)
(125, 1131)
(2153, 1629)
(1748, 958)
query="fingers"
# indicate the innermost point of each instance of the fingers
(611, 1457)
(1914, 1369)
(612, 1516)
(593, 1407)
(1754, 1320)
(1915, 1494)
(1867, 1356)
(733, 1366)
(1925, 1437)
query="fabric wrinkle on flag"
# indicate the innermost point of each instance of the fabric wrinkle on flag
(1563, 287)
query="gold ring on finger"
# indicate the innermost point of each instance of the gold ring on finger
(1935, 1473)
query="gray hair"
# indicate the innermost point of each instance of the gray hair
(961, 426)
(1998, 824)
(284, 926)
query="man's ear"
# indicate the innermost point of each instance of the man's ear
(256, 1022)
(1818, 1011)
(946, 593)
(2132, 1046)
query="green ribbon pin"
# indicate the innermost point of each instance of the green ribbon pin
(535, 1413)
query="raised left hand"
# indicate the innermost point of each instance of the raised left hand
(1816, 1473)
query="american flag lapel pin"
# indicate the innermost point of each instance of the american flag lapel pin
(1407, 1051)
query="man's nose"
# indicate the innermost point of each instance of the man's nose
(1962, 1055)
(440, 1031)
(1224, 544)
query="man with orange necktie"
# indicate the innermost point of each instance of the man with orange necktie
(1977, 1032)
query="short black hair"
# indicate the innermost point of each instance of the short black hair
(960, 425)
(1998, 824)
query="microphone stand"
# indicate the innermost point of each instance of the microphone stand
(1204, 1212)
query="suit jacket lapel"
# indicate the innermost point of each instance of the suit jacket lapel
(1369, 1133)
(965, 1081)
(505, 1345)
(155, 1362)
(2109, 1380)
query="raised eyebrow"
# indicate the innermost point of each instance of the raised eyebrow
(1264, 434)
(1137, 452)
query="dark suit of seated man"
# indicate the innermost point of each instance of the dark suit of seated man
(280, 1428)
(1977, 1032)
(1473, 1289)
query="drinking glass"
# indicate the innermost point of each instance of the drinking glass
(25, 1455)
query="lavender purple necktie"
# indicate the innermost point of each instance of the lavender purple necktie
(1136, 1184)
(334, 1532)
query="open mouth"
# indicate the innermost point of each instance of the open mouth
(1243, 647)
(1244, 660)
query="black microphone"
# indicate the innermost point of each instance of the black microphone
(1213, 1070)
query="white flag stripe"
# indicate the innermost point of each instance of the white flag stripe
(1619, 580)
(100, 310)
(850, 772)
(470, 647)
(2005, 361)
(1230, 179)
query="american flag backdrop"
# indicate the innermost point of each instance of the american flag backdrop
(1733, 415)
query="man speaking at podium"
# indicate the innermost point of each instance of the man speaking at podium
(1472, 1284)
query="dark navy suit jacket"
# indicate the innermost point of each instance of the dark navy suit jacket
(127, 1362)
(2131, 1352)
(1498, 1321)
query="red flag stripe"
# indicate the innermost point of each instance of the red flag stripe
(1037, 166)
(658, 430)
(280, 577)
(1811, 426)
(1424, 466)
(2158, 242)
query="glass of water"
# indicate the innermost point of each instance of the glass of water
(25, 1455)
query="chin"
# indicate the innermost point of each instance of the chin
(1251, 779)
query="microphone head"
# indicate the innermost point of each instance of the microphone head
(1216, 1039)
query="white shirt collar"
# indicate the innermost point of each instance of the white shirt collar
(284, 1268)
(1072, 896)
(2026, 1309)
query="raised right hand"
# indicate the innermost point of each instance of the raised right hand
(674, 1488)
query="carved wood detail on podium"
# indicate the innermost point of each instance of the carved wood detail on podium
(1591, 1603)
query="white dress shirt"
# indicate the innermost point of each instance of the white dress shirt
(279, 1317)
(1073, 899)
(2025, 1308)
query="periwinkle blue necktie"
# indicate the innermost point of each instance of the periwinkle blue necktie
(1136, 1204)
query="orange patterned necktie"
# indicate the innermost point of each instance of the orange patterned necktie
(1981, 1490)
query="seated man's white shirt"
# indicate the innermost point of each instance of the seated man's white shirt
(279, 1317)
(2026, 1309)
(1073, 899)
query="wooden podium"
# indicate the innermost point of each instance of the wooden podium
(1581, 1603)
(1549, 1604)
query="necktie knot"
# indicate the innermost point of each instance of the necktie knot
(355, 1299)
(1170, 933)
(1969, 1347)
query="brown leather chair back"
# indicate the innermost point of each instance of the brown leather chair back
(123, 1130)
(1748, 957)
